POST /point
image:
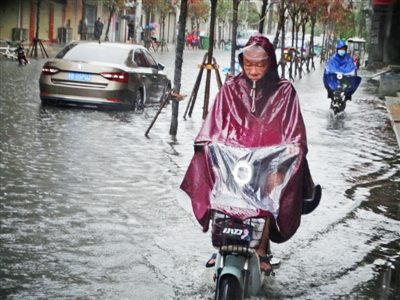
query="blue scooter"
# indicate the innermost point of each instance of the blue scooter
(340, 88)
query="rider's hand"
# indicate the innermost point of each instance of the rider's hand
(292, 149)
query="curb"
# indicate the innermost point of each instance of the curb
(393, 107)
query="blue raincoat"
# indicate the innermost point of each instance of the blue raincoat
(344, 65)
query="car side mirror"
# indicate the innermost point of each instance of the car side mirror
(160, 66)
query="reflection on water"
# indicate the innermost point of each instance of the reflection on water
(385, 284)
(336, 122)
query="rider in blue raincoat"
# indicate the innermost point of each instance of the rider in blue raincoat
(341, 62)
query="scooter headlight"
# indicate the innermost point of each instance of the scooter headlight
(243, 172)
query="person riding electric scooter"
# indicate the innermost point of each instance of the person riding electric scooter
(340, 77)
(254, 109)
(22, 60)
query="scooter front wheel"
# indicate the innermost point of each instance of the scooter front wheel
(229, 288)
(336, 110)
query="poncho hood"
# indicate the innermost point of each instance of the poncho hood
(259, 39)
(340, 64)
(340, 44)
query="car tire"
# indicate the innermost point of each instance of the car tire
(138, 103)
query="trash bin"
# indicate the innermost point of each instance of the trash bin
(62, 34)
(68, 37)
(205, 42)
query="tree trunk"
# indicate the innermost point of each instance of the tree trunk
(82, 23)
(147, 30)
(162, 33)
(37, 27)
(112, 11)
(270, 17)
(281, 26)
(313, 21)
(262, 16)
(209, 57)
(234, 34)
(178, 66)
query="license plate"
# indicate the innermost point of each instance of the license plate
(80, 76)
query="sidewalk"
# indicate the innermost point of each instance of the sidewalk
(389, 89)
(393, 107)
(54, 48)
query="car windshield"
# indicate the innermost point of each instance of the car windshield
(97, 53)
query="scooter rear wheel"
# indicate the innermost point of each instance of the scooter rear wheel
(229, 289)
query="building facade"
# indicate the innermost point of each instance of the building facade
(384, 35)
(59, 21)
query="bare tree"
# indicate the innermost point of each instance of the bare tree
(178, 66)
(113, 6)
(262, 16)
(235, 9)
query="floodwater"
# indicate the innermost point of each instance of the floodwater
(91, 209)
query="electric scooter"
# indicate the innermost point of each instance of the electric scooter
(241, 198)
(237, 268)
(341, 88)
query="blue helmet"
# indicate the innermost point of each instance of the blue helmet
(340, 44)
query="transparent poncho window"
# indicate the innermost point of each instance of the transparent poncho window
(249, 179)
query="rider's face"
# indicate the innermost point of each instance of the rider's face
(255, 64)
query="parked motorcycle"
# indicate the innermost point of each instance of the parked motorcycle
(241, 198)
(340, 88)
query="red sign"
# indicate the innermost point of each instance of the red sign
(383, 2)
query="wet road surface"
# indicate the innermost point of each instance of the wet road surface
(91, 209)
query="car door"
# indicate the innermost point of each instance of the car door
(146, 73)
(158, 77)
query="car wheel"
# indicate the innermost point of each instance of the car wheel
(138, 104)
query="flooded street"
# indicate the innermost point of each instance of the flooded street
(91, 209)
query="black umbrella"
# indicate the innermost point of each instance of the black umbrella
(129, 18)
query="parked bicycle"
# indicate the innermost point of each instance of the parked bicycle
(150, 43)
(155, 45)
(9, 51)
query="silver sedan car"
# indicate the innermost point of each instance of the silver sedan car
(112, 75)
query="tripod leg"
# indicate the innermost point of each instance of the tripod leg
(43, 49)
(192, 98)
